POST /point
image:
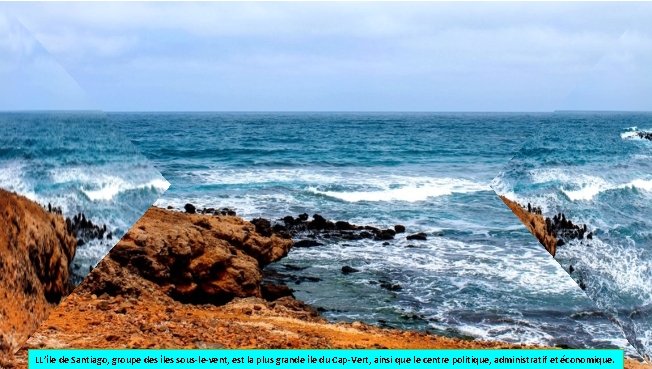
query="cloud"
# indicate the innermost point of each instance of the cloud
(31, 78)
(514, 51)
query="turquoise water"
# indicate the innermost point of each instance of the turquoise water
(78, 162)
(479, 274)
(595, 169)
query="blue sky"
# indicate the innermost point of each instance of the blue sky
(326, 56)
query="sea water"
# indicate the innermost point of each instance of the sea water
(76, 161)
(597, 170)
(479, 274)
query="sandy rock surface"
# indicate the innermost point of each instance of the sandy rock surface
(36, 249)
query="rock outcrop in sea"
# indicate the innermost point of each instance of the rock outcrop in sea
(645, 135)
(551, 232)
(36, 248)
(146, 294)
(192, 257)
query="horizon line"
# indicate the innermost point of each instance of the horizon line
(324, 111)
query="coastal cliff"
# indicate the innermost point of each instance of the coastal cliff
(36, 248)
(147, 293)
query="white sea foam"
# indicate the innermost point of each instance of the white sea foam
(105, 187)
(641, 184)
(584, 187)
(13, 178)
(619, 267)
(591, 190)
(260, 176)
(588, 190)
(113, 186)
(632, 133)
(420, 190)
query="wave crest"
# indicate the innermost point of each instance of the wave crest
(409, 193)
(105, 187)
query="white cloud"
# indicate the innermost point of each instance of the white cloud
(523, 47)
(31, 78)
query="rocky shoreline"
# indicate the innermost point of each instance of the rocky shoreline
(191, 280)
(307, 231)
(36, 249)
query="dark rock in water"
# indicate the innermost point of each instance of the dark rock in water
(571, 269)
(263, 226)
(281, 231)
(344, 226)
(307, 243)
(372, 229)
(190, 208)
(589, 236)
(385, 243)
(582, 285)
(301, 279)
(277, 228)
(170, 207)
(365, 234)
(271, 292)
(645, 135)
(303, 217)
(560, 242)
(294, 267)
(227, 211)
(320, 223)
(417, 236)
(399, 228)
(390, 286)
(348, 270)
(385, 234)
(84, 230)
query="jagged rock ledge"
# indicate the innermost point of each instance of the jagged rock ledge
(36, 248)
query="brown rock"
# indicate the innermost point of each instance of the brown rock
(194, 258)
(36, 249)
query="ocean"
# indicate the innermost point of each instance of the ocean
(479, 274)
(76, 161)
(595, 168)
